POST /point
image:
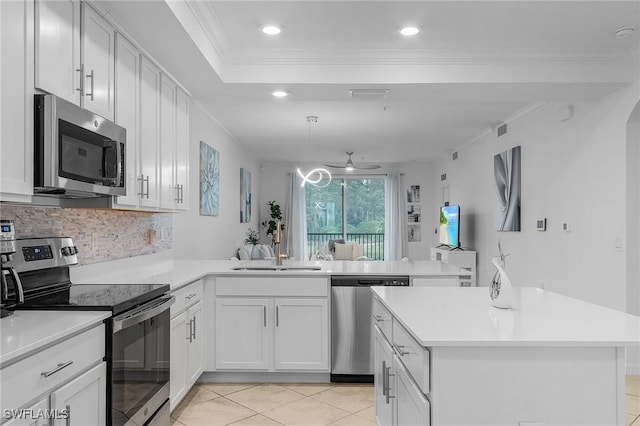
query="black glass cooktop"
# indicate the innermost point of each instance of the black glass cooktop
(116, 298)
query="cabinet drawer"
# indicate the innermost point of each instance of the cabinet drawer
(187, 296)
(26, 378)
(412, 407)
(414, 356)
(382, 318)
(272, 286)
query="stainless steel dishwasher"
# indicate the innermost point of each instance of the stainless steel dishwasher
(351, 325)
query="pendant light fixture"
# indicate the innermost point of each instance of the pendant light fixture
(317, 177)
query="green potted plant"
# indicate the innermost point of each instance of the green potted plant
(276, 216)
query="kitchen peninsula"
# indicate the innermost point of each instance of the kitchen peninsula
(445, 356)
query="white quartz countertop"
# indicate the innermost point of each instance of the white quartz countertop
(178, 273)
(456, 316)
(28, 331)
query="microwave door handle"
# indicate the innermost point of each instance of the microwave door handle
(119, 163)
(107, 179)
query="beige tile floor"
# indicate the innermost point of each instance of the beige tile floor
(305, 405)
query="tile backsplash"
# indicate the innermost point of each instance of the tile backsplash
(100, 235)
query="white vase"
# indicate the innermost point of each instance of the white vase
(500, 290)
(255, 252)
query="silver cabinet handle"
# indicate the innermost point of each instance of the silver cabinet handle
(81, 88)
(378, 318)
(190, 333)
(68, 420)
(181, 194)
(384, 378)
(142, 180)
(147, 187)
(399, 349)
(177, 199)
(55, 370)
(389, 396)
(92, 79)
(264, 311)
(277, 317)
(191, 296)
(194, 328)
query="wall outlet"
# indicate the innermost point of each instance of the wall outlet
(618, 244)
(541, 224)
(566, 227)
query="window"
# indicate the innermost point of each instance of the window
(348, 208)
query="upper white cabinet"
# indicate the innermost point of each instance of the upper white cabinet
(182, 150)
(57, 41)
(169, 193)
(127, 112)
(75, 61)
(97, 57)
(149, 143)
(16, 102)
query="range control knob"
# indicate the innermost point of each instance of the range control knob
(68, 251)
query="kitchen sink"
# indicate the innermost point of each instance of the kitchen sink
(276, 268)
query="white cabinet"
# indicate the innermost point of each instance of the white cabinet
(149, 141)
(182, 150)
(186, 341)
(246, 317)
(301, 334)
(465, 259)
(384, 387)
(285, 329)
(57, 42)
(178, 378)
(169, 193)
(412, 407)
(74, 60)
(97, 57)
(16, 102)
(84, 399)
(39, 406)
(70, 375)
(127, 113)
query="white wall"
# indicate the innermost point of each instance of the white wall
(573, 171)
(214, 237)
(274, 186)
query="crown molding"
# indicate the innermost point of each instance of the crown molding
(215, 120)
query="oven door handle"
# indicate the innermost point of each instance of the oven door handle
(142, 314)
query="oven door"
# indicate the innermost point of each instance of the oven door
(140, 362)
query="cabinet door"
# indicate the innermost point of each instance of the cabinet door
(38, 407)
(242, 334)
(84, 398)
(16, 102)
(127, 105)
(195, 344)
(182, 150)
(149, 132)
(301, 334)
(412, 407)
(97, 57)
(168, 192)
(178, 377)
(383, 378)
(57, 44)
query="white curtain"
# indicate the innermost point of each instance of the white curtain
(396, 218)
(295, 222)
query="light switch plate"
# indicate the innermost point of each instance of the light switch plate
(541, 224)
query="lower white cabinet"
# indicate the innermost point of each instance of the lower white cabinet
(83, 399)
(70, 375)
(412, 407)
(285, 329)
(186, 341)
(384, 388)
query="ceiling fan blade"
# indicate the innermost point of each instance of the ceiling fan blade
(334, 166)
(371, 167)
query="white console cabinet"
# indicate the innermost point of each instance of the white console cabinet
(465, 259)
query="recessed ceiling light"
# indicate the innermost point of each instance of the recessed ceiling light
(271, 30)
(623, 32)
(280, 93)
(409, 31)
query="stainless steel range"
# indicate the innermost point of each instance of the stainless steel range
(137, 337)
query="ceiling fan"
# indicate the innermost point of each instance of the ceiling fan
(349, 166)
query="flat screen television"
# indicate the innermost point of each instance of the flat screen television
(449, 231)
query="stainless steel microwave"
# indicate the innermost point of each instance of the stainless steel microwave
(76, 153)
